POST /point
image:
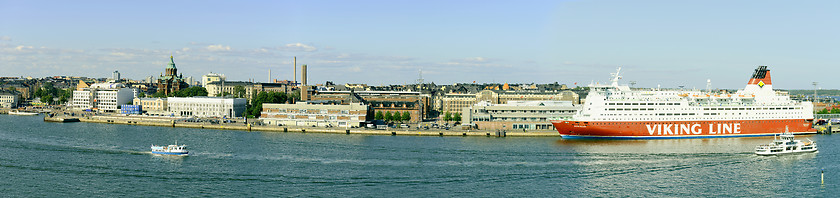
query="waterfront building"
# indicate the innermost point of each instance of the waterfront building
(516, 115)
(172, 81)
(152, 105)
(8, 99)
(102, 96)
(455, 102)
(315, 113)
(202, 106)
(415, 103)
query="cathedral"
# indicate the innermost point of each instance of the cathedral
(172, 81)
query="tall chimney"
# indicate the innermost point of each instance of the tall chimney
(303, 75)
(295, 74)
(269, 76)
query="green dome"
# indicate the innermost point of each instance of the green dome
(171, 63)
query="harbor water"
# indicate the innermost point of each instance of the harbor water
(40, 159)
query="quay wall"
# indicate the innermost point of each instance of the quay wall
(167, 122)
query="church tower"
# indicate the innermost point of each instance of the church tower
(171, 70)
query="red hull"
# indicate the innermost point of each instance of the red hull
(679, 129)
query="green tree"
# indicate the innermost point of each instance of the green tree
(47, 99)
(447, 117)
(257, 101)
(159, 95)
(389, 116)
(379, 116)
(457, 117)
(239, 91)
(824, 111)
(406, 116)
(190, 92)
(12, 89)
(141, 95)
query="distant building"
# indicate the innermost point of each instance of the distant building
(315, 113)
(8, 99)
(172, 81)
(157, 106)
(201, 106)
(116, 76)
(105, 97)
(215, 88)
(415, 103)
(516, 115)
(211, 77)
(455, 102)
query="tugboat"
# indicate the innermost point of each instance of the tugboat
(180, 150)
(785, 144)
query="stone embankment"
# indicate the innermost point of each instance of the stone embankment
(171, 122)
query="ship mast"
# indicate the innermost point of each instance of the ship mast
(615, 77)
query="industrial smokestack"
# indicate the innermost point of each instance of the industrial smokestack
(269, 76)
(303, 75)
(295, 74)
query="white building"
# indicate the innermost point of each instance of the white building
(206, 106)
(211, 77)
(8, 99)
(516, 115)
(105, 97)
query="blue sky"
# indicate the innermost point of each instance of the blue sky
(667, 43)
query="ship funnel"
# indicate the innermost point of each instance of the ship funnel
(760, 77)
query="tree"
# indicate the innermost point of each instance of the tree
(824, 111)
(447, 117)
(379, 116)
(239, 91)
(159, 95)
(389, 116)
(406, 116)
(190, 92)
(12, 89)
(457, 117)
(47, 99)
(141, 95)
(835, 111)
(264, 97)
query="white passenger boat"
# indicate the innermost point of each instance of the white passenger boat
(16, 112)
(785, 144)
(170, 149)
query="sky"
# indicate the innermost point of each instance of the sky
(657, 43)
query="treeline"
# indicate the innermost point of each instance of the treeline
(188, 92)
(48, 93)
(255, 109)
(392, 117)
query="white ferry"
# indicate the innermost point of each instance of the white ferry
(170, 149)
(785, 144)
(615, 111)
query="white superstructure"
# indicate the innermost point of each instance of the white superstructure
(757, 101)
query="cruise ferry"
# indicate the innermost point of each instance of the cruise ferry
(613, 111)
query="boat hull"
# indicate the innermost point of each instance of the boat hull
(679, 129)
(170, 153)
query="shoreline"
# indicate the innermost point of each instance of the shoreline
(170, 122)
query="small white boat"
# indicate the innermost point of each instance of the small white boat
(16, 112)
(170, 149)
(785, 144)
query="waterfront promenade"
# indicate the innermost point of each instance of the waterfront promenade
(162, 121)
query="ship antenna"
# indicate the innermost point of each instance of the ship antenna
(615, 77)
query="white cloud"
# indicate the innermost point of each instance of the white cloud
(5, 38)
(216, 48)
(298, 47)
